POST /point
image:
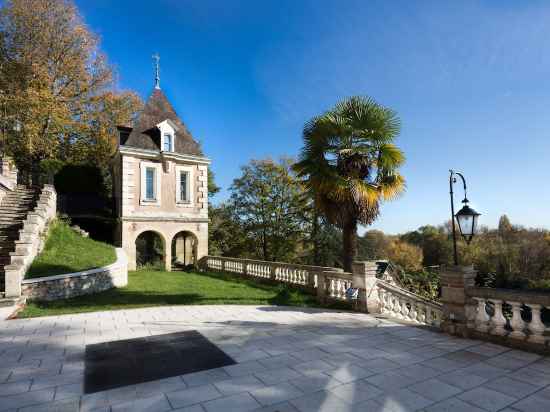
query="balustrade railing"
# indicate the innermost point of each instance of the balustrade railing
(402, 304)
(515, 314)
(330, 283)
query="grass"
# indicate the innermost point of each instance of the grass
(156, 288)
(67, 251)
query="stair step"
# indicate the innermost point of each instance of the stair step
(8, 213)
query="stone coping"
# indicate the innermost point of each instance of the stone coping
(5, 183)
(121, 259)
(269, 263)
(511, 295)
(400, 291)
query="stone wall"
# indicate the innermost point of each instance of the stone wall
(79, 283)
(31, 240)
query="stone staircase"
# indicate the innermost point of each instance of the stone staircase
(14, 208)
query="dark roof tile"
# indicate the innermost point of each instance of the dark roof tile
(146, 135)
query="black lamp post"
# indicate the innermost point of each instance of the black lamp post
(467, 217)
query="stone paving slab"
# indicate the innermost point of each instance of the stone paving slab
(288, 360)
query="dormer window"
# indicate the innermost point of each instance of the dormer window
(168, 131)
(168, 143)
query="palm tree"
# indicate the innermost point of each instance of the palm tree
(350, 164)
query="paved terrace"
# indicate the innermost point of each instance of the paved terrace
(289, 359)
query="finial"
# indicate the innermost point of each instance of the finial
(156, 65)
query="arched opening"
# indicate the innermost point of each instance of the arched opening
(150, 250)
(184, 250)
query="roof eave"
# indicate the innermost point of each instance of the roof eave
(154, 154)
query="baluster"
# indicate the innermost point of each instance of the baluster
(436, 318)
(389, 302)
(404, 308)
(421, 313)
(397, 307)
(330, 287)
(413, 314)
(345, 286)
(498, 320)
(536, 327)
(381, 299)
(429, 315)
(517, 324)
(482, 319)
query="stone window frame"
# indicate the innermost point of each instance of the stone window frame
(143, 165)
(190, 185)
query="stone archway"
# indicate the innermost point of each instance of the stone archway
(150, 250)
(184, 249)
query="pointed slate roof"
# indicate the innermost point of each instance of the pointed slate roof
(146, 135)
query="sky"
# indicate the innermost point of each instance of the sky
(470, 81)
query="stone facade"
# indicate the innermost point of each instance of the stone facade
(167, 218)
(154, 203)
(79, 283)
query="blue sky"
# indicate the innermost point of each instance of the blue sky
(470, 81)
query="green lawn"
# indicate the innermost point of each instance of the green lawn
(67, 251)
(156, 288)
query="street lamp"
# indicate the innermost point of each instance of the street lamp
(467, 217)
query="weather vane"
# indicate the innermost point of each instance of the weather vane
(156, 64)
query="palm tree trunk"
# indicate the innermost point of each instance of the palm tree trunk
(350, 243)
(315, 237)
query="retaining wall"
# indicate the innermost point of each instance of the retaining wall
(79, 283)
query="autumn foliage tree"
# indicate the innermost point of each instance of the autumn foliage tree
(57, 95)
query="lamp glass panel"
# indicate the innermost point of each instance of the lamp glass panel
(466, 224)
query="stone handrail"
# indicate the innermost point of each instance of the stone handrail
(329, 283)
(512, 314)
(31, 240)
(402, 304)
(8, 176)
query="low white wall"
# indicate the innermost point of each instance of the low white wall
(78, 283)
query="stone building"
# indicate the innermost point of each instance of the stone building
(160, 179)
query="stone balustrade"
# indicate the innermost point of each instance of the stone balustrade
(329, 283)
(333, 285)
(401, 304)
(511, 314)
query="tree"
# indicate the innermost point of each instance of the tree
(407, 256)
(57, 88)
(269, 203)
(213, 188)
(226, 236)
(325, 240)
(350, 164)
(435, 242)
(504, 225)
(374, 244)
